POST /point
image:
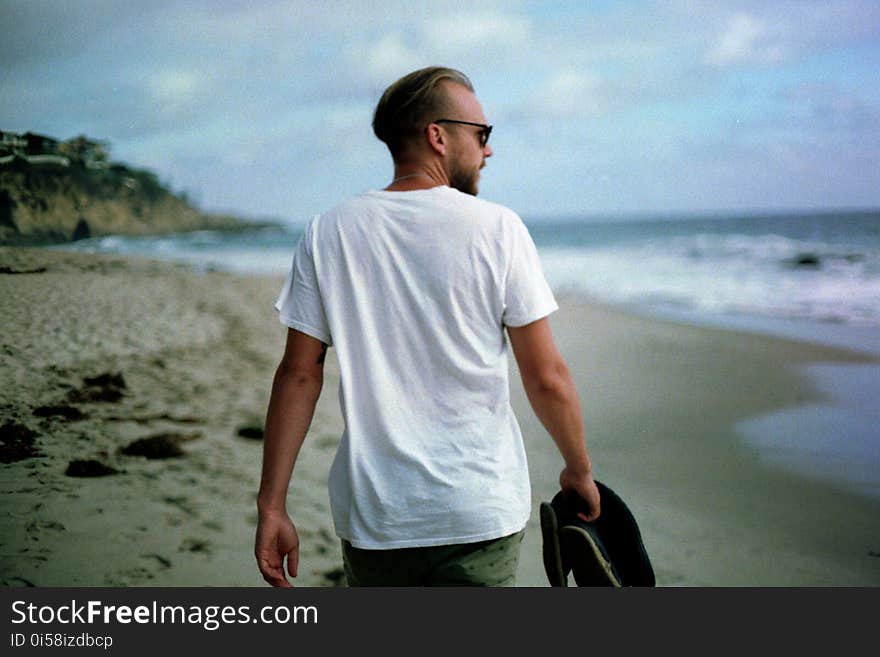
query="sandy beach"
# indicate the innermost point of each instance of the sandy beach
(129, 388)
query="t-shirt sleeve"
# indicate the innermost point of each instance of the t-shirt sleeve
(300, 305)
(527, 295)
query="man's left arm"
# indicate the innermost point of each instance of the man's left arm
(295, 392)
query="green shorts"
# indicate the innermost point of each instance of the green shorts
(485, 563)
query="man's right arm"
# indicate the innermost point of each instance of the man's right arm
(295, 391)
(554, 398)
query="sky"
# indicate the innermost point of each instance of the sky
(263, 108)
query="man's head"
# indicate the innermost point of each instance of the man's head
(433, 115)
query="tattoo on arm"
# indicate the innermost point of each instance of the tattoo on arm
(323, 354)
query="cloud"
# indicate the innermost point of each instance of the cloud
(473, 41)
(760, 32)
(36, 30)
(175, 86)
(745, 40)
(827, 108)
(452, 35)
(571, 94)
(391, 58)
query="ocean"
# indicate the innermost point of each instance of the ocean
(822, 268)
(808, 276)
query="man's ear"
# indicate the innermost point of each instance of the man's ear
(436, 138)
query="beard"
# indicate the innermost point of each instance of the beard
(464, 180)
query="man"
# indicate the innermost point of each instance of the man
(414, 285)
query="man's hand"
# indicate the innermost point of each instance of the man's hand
(276, 539)
(582, 485)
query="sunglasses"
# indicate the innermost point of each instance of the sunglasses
(482, 135)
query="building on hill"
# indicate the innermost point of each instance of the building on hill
(40, 144)
(11, 142)
(93, 154)
(34, 148)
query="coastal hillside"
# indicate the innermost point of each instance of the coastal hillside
(57, 191)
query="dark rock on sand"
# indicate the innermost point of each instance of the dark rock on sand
(806, 260)
(81, 231)
(17, 443)
(251, 432)
(89, 468)
(12, 270)
(152, 417)
(105, 387)
(335, 577)
(160, 446)
(67, 412)
(106, 380)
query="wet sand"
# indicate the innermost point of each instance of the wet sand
(661, 403)
(103, 356)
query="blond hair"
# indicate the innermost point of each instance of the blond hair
(411, 102)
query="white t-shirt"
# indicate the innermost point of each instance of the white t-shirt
(414, 290)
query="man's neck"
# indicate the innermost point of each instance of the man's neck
(409, 178)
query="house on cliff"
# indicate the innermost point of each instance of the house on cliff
(34, 148)
(30, 148)
(40, 144)
(11, 142)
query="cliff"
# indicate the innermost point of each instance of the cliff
(61, 196)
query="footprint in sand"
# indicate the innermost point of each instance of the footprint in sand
(107, 387)
(16, 581)
(35, 526)
(163, 562)
(180, 502)
(198, 545)
(213, 525)
(129, 576)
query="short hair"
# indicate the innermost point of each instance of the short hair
(412, 100)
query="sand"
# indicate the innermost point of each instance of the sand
(147, 350)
